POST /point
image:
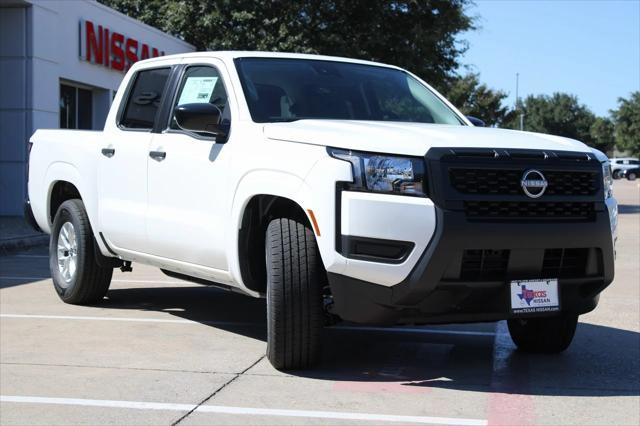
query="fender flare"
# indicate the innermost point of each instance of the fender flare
(261, 182)
(61, 171)
(58, 171)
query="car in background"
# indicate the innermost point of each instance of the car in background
(630, 174)
(618, 165)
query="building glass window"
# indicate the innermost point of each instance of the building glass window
(76, 107)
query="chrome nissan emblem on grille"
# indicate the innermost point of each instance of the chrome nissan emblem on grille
(533, 183)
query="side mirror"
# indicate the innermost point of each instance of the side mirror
(202, 118)
(476, 121)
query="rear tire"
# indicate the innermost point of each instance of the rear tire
(77, 277)
(616, 174)
(631, 176)
(294, 297)
(543, 335)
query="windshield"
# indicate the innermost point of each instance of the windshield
(294, 89)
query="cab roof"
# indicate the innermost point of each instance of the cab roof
(230, 55)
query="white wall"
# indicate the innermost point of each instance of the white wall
(39, 46)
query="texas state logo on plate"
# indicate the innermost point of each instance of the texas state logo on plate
(530, 296)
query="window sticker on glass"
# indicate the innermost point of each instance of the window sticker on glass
(197, 90)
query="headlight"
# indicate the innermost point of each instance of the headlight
(384, 173)
(607, 180)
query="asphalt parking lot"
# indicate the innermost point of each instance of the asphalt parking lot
(161, 351)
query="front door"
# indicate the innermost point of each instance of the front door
(189, 199)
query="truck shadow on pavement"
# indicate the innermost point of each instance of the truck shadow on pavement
(602, 361)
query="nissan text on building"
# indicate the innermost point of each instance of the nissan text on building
(61, 63)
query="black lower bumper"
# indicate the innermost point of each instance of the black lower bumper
(447, 285)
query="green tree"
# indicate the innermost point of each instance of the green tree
(627, 123)
(476, 99)
(420, 35)
(560, 114)
(602, 134)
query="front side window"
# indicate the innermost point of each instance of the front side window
(145, 98)
(293, 89)
(201, 84)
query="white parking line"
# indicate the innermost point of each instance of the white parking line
(335, 415)
(127, 319)
(35, 256)
(418, 330)
(138, 405)
(255, 324)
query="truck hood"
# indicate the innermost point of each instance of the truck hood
(411, 138)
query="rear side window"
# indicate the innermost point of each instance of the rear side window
(144, 99)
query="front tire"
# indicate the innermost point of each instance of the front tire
(294, 297)
(77, 277)
(631, 176)
(543, 335)
(616, 174)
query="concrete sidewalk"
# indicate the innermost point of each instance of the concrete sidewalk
(16, 234)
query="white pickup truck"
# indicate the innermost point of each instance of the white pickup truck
(335, 188)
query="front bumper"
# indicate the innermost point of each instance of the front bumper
(462, 275)
(438, 291)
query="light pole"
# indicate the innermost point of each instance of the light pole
(518, 102)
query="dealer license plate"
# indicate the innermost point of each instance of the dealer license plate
(531, 296)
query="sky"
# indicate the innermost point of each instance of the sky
(589, 48)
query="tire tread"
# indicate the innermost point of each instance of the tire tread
(294, 297)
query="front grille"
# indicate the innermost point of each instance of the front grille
(529, 210)
(493, 265)
(507, 182)
(565, 263)
(484, 265)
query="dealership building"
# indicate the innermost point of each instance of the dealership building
(61, 63)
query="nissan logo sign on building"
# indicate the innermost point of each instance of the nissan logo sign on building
(62, 63)
(101, 45)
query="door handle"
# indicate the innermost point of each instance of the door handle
(108, 152)
(158, 155)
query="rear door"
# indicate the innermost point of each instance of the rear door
(189, 195)
(122, 165)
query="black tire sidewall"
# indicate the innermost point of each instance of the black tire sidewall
(631, 176)
(69, 211)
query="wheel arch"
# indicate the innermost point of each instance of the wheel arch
(62, 182)
(260, 197)
(59, 192)
(261, 209)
